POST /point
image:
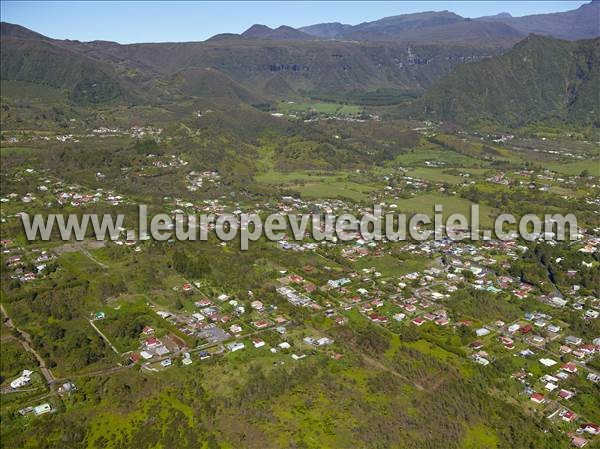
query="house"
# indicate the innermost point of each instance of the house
(482, 332)
(418, 321)
(147, 330)
(23, 380)
(526, 329)
(309, 340)
(67, 387)
(507, 342)
(378, 318)
(570, 368)
(526, 353)
(548, 362)
(324, 341)
(565, 394)
(568, 415)
(442, 321)
(257, 305)
(591, 314)
(258, 343)
(514, 328)
(166, 362)
(337, 283)
(592, 429)
(235, 346)
(593, 378)
(476, 345)
(572, 340)
(588, 349)
(42, 409)
(537, 398)
(554, 328)
(187, 287)
(152, 342)
(481, 360)
(538, 340)
(578, 441)
(260, 324)
(284, 345)
(235, 328)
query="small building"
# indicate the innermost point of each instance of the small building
(42, 409)
(235, 346)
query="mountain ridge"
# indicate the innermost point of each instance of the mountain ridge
(540, 79)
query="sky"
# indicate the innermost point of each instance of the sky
(141, 21)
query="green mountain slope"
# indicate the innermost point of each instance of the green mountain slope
(41, 62)
(263, 68)
(540, 79)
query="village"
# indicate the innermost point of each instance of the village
(478, 302)
(551, 357)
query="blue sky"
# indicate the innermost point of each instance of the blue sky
(140, 21)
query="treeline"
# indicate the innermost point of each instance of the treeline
(192, 267)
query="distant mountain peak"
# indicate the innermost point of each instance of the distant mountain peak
(283, 32)
(502, 15)
(18, 31)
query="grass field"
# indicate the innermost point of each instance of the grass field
(318, 184)
(435, 175)
(322, 108)
(575, 168)
(451, 205)
(390, 266)
(451, 158)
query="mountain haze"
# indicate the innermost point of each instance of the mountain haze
(581, 23)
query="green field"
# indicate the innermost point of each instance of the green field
(321, 108)
(451, 205)
(575, 168)
(318, 184)
(451, 158)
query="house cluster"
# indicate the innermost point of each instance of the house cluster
(25, 265)
(164, 162)
(38, 410)
(197, 180)
(154, 349)
(137, 132)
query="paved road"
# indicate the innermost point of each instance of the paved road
(25, 340)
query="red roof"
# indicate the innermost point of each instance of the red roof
(537, 397)
(565, 394)
(591, 428)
